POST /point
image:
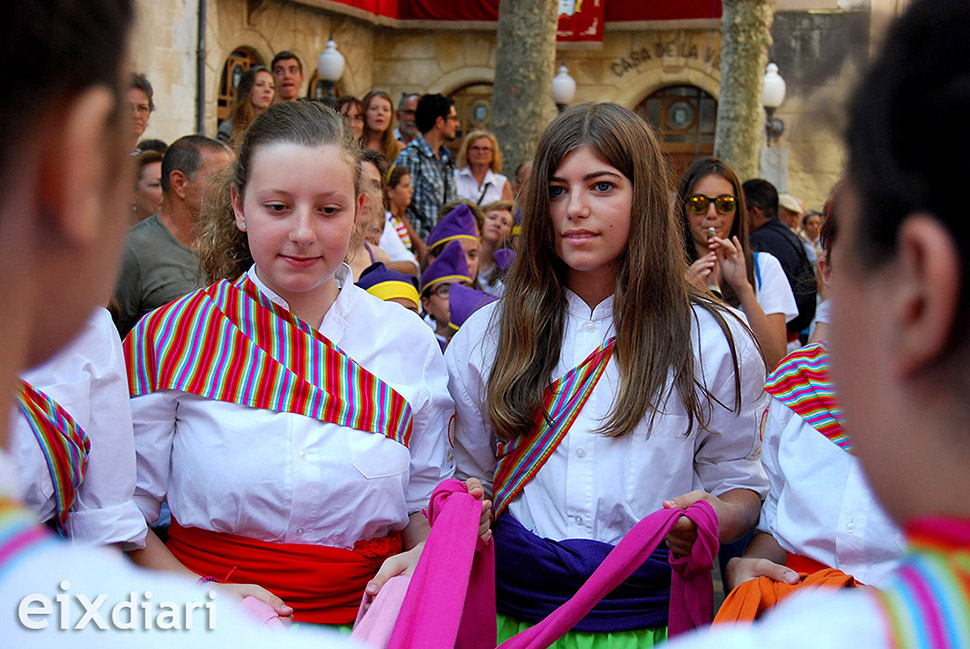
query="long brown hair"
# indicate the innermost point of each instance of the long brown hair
(223, 248)
(243, 111)
(389, 145)
(739, 228)
(652, 310)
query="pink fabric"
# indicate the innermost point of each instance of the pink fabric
(691, 586)
(261, 612)
(377, 615)
(451, 600)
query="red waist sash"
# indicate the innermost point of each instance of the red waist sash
(323, 585)
(798, 563)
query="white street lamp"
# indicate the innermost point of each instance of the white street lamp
(330, 66)
(563, 88)
(772, 97)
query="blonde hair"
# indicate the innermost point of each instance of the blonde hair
(652, 311)
(462, 160)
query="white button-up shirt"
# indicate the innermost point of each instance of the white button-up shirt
(820, 505)
(468, 188)
(283, 477)
(87, 379)
(599, 487)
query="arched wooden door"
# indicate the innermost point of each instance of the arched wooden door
(686, 117)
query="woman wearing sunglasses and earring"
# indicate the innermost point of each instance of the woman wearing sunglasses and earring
(712, 211)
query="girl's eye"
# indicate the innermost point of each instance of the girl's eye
(275, 207)
(555, 191)
(330, 210)
(604, 186)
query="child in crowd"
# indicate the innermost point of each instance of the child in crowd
(391, 286)
(661, 409)
(397, 193)
(463, 301)
(364, 249)
(301, 460)
(712, 210)
(496, 232)
(458, 225)
(899, 345)
(446, 270)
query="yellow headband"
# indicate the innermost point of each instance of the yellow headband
(396, 289)
(435, 245)
(447, 278)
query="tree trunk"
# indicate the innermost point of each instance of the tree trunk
(745, 40)
(524, 61)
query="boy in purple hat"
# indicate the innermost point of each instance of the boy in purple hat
(391, 286)
(447, 269)
(457, 225)
(464, 301)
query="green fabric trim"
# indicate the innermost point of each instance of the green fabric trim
(636, 639)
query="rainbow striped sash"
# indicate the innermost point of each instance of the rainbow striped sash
(228, 342)
(519, 460)
(63, 442)
(927, 606)
(802, 383)
(19, 532)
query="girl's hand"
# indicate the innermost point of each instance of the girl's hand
(398, 565)
(741, 569)
(730, 259)
(242, 591)
(699, 273)
(475, 488)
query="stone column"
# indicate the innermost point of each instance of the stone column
(745, 40)
(524, 60)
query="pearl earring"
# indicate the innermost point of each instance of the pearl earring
(242, 226)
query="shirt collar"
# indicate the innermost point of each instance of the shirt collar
(341, 306)
(579, 309)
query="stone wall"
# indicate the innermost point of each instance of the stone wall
(811, 48)
(819, 54)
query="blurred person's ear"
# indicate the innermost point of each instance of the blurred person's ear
(75, 167)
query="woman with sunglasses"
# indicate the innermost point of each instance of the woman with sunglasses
(716, 239)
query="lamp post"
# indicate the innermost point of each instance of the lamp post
(563, 88)
(330, 66)
(772, 98)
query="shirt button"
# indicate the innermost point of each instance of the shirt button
(302, 453)
(299, 531)
(581, 453)
(591, 327)
(850, 527)
(579, 521)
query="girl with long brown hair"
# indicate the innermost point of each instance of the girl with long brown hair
(602, 386)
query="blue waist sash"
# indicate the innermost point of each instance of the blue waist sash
(534, 576)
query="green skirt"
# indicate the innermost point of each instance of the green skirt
(636, 639)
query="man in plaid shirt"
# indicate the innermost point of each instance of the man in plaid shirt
(429, 161)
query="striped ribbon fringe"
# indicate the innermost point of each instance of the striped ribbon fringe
(228, 342)
(802, 383)
(520, 459)
(928, 604)
(19, 532)
(63, 442)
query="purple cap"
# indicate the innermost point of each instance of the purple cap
(464, 302)
(449, 266)
(504, 258)
(459, 223)
(517, 222)
(387, 284)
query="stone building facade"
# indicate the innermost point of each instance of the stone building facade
(669, 70)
